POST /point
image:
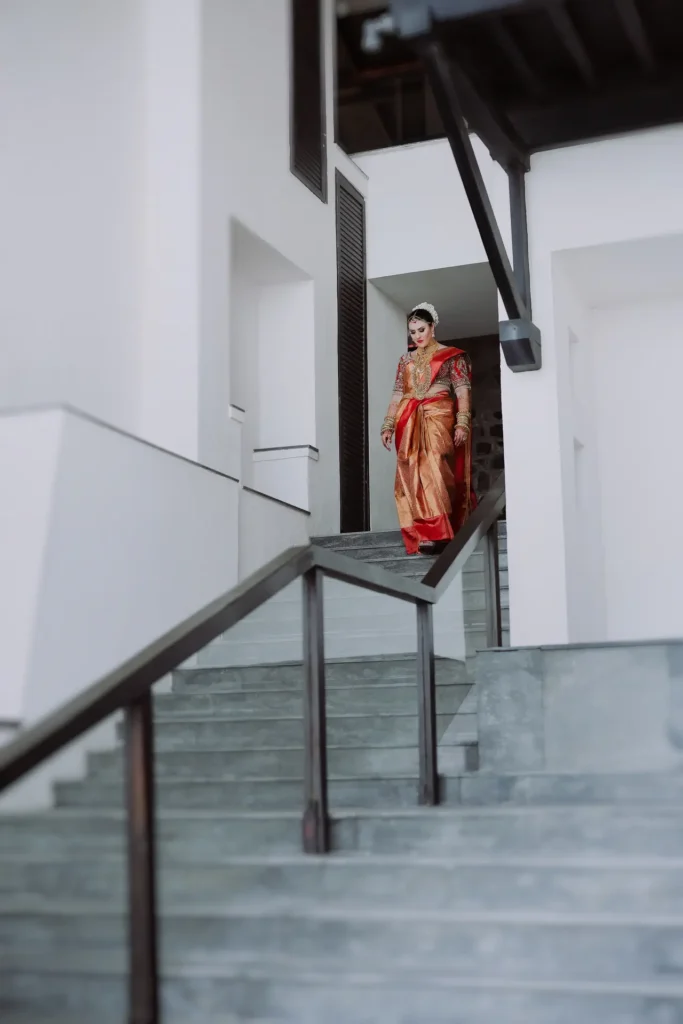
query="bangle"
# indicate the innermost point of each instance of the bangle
(463, 419)
(389, 424)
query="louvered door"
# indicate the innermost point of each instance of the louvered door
(308, 157)
(352, 359)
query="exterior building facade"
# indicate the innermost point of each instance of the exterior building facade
(167, 277)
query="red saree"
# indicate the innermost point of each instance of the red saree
(433, 489)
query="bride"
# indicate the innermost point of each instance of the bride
(430, 418)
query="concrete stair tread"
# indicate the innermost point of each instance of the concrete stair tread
(342, 673)
(553, 789)
(190, 716)
(264, 688)
(339, 859)
(423, 815)
(282, 748)
(300, 909)
(32, 1017)
(375, 684)
(329, 973)
(260, 780)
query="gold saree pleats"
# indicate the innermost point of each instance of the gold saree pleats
(433, 477)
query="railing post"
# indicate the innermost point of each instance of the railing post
(142, 904)
(426, 701)
(494, 620)
(316, 829)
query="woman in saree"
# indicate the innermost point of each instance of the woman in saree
(430, 419)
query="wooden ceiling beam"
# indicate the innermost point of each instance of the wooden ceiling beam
(630, 18)
(512, 51)
(574, 44)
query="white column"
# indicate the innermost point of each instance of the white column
(533, 472)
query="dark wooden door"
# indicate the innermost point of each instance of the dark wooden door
(352, 359)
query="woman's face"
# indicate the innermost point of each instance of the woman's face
(420, 332)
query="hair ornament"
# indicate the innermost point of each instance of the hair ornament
(430, 309)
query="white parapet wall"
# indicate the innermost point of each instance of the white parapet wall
(106, 543)
(601, 708)
(267, 527)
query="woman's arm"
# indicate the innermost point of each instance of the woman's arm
(461, 380)
(389, 424)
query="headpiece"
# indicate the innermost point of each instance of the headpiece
(429, 308)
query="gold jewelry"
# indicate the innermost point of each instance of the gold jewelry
(389, 424)
(462, 422)
(421, 369)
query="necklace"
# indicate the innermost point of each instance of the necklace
(421, 370)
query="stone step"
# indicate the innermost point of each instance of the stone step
(22, 1018)
(278, 793)
(245, 650)
(370, 538)
(284, 623)
(372, 552)
(357, 671)
(541, 788)
(93, 983)
(413, 564)
(225, 732)
(580, 833)
(338, 609)
(369, 699)
(350, 540)
(533, 946)
(357, 762)
(495, 884)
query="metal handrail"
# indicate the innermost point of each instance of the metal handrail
(128, 688)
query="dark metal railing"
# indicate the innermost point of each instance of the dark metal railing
(128, 688)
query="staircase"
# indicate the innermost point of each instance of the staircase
(524, 899)
(388, 551)
(365, 624)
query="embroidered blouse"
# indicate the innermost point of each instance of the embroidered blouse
(453, 374)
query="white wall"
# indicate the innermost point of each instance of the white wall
(578, 400)
(70, 244)
(386, 344)
(589, 195)
(133, 147)
(266, 529)
(418, 215)
(130, 541)
(594, 195)
(247, 180)
(638, 366)
(29, 456)
(169, 186)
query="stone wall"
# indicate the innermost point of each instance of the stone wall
(487, 425)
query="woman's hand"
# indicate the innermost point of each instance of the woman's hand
(386, 439)
(460, 436)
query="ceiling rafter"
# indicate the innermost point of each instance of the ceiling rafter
(574, 44)
(630, 18)
(514, 54)
(620, 109)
